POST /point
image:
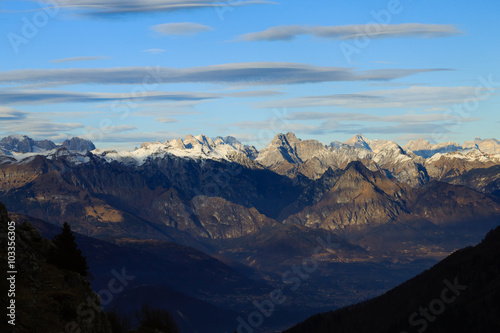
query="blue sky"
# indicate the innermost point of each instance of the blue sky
(124, 72)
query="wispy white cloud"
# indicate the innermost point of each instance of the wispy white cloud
(183, 28)
(250, 73)
(122, 7)
(163, 108)
(412, 97)
(395, 84)
(50, 125)
(433, 109)
(363, 117)
(253, 93)
(77, 59)
(384, 62)
(177, 100)
(404, 138)
(321, 123)
(166, 120)
(154, 51)
(38, 126)
(374, 31)
(9, 114)
(355, 117)
(430, 128)
(113, 129)
(244, 137)
(58, 96)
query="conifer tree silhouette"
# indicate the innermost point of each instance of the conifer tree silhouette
(66, 253)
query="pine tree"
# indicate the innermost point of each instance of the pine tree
(66, 253)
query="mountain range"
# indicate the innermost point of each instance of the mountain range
(415, 163)
(391, 211)
(197, 184)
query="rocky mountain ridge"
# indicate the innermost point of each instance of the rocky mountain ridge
(220, 189)
(286, 155)
(209, 199)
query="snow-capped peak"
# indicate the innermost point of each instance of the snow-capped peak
(176, 143)
(204, 140)
(196, 147)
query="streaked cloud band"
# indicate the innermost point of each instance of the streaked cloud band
(250, 73)
(120, 7)
(374, 31)
(182, 28)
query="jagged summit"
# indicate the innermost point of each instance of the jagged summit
(359, 141)
(231, 140)
(191, 141)
(283, 148)
(78, 144)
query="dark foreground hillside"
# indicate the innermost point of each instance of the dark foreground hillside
(459, 294)
(48, 298)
